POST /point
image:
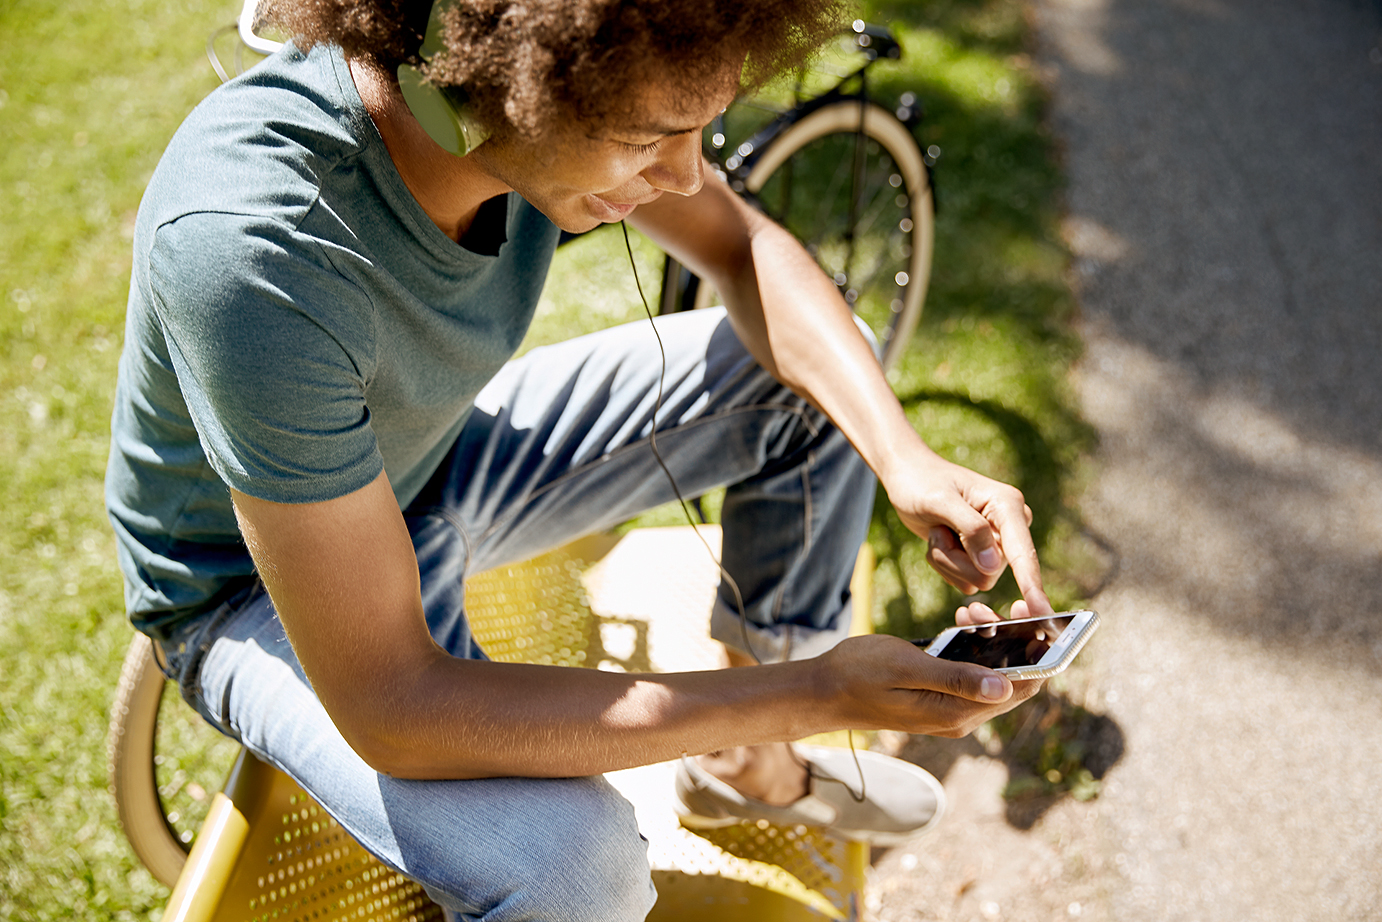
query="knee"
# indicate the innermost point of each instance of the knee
(573, 854)
(596, 868)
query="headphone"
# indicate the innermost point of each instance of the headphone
(444, 112)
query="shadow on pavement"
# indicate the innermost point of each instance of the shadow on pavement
(1234, 227)
(1226, 224)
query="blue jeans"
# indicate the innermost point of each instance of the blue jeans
(557, 447)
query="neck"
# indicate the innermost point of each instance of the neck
(449, 189)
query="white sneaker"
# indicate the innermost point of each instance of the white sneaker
(900, 799)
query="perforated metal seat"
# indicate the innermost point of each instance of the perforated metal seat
(268, 853)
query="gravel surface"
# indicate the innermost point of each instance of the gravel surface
(1225, 214)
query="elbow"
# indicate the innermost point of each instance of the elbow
(389, 750)
(381, 746)
(375, 726)
(388, 717)
(385, 757)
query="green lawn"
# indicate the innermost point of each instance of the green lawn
(89, 94)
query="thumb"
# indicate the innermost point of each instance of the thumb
(993, 687)
(965, 680)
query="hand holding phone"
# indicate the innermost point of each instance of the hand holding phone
(1027, 648)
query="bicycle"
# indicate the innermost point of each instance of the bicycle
(849, 180)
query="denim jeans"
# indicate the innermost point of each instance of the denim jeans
(557, 447)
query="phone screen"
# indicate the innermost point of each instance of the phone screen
(1006, 644)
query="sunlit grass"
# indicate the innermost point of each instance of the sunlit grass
(592, 287)
(89, 95)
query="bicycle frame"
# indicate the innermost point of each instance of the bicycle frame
(742, 164)
(875, 42)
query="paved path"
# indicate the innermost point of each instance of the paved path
(1225, 210)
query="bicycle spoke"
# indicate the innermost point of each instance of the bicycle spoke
(810, 195)
(860, 220)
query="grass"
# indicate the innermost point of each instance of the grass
(89, 95)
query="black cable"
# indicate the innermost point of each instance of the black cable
(652, 442)
(686, 511)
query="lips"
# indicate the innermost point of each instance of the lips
(613, 211)
(617, 211)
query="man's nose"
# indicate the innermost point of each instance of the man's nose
(679, 167)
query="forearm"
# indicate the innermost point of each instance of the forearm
(344, 579)
(471, 719)
(793, 320)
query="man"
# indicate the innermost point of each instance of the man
(317, 434)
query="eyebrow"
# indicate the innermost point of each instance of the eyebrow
(649, 128)
(665, 130)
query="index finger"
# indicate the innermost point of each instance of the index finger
(1016, 540)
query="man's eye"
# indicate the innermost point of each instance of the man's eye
(642, 148)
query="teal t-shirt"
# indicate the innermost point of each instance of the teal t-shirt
(296, 324)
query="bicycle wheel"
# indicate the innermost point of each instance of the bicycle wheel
(860, 204)
(165, 764)
(131, 742)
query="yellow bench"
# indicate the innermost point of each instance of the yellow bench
(268, 853)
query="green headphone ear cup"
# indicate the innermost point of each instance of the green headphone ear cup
(433, 111)
(443, 112)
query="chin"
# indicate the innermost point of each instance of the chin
(580, 224)
(570, 220)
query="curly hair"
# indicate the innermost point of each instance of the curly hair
(527, 64)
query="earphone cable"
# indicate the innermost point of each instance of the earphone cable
(686, 511)
(672, 481)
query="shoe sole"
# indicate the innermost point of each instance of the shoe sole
(876, 838)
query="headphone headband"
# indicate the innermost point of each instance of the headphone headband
(444, 112)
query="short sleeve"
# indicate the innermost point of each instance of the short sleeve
(273, 351)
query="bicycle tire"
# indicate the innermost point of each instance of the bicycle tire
(897, 193)
(130, 750)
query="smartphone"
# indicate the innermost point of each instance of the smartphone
(1028, 648)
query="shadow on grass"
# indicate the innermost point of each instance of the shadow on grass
(1053, 749)
(1041, 477)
